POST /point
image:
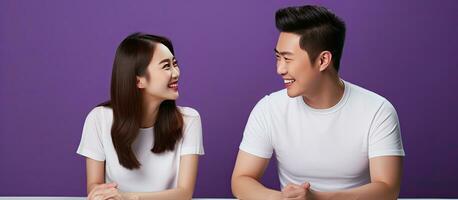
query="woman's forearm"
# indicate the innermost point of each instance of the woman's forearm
(171, 194)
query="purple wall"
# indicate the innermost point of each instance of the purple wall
(56, 59)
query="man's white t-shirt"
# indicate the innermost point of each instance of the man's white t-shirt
(329, 148)
(157, 172)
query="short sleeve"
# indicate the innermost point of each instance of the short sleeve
(192, 136)
(385, 133)
(91, 145)
(256, 137)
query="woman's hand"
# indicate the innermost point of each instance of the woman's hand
(106, 191)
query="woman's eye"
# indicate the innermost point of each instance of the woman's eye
(167, 66)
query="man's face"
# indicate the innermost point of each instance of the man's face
(295, 67)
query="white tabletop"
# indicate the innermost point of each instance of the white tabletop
(84, 198)
(81, 198)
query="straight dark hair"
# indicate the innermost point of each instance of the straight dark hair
(320, 30)
(131, 60)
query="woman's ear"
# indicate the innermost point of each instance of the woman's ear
(141, 82)
(325, 58)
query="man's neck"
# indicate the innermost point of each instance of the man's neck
(329, 92)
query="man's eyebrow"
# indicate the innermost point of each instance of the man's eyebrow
(283, 53)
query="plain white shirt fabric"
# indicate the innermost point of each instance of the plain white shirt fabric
(329, 148)
(158, 172)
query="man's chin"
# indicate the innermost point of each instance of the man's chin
(291, 93)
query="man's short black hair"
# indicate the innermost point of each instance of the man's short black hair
(319, 29)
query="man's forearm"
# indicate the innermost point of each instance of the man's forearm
(248, 188)
(371, 191)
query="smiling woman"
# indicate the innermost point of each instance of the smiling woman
(139, 143)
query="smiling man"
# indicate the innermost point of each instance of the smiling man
(332, 139)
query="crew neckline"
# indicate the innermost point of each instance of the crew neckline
(334, 108)
(146, 130)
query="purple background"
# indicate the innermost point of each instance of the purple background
(56, 59)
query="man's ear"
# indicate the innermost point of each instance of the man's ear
(324, 60)
(141, 82)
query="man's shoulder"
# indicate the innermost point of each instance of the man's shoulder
(365, 95)
(277, 97)
(367, 99)
(274, 102)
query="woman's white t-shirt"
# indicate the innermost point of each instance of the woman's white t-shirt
(158, 172)
(329, 148)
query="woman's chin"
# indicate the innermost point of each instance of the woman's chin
(173, 96)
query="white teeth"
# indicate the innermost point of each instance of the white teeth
(173, 85)
(287, 81)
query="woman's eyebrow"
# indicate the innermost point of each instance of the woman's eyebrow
(166, 60)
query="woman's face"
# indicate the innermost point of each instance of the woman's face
(161, 76)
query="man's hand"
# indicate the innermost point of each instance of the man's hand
(296, 192)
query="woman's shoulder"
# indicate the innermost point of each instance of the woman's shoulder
(100, 112)
(188, 112)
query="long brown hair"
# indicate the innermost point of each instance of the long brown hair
(131, 60)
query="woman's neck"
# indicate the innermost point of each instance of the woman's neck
(150, 111)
